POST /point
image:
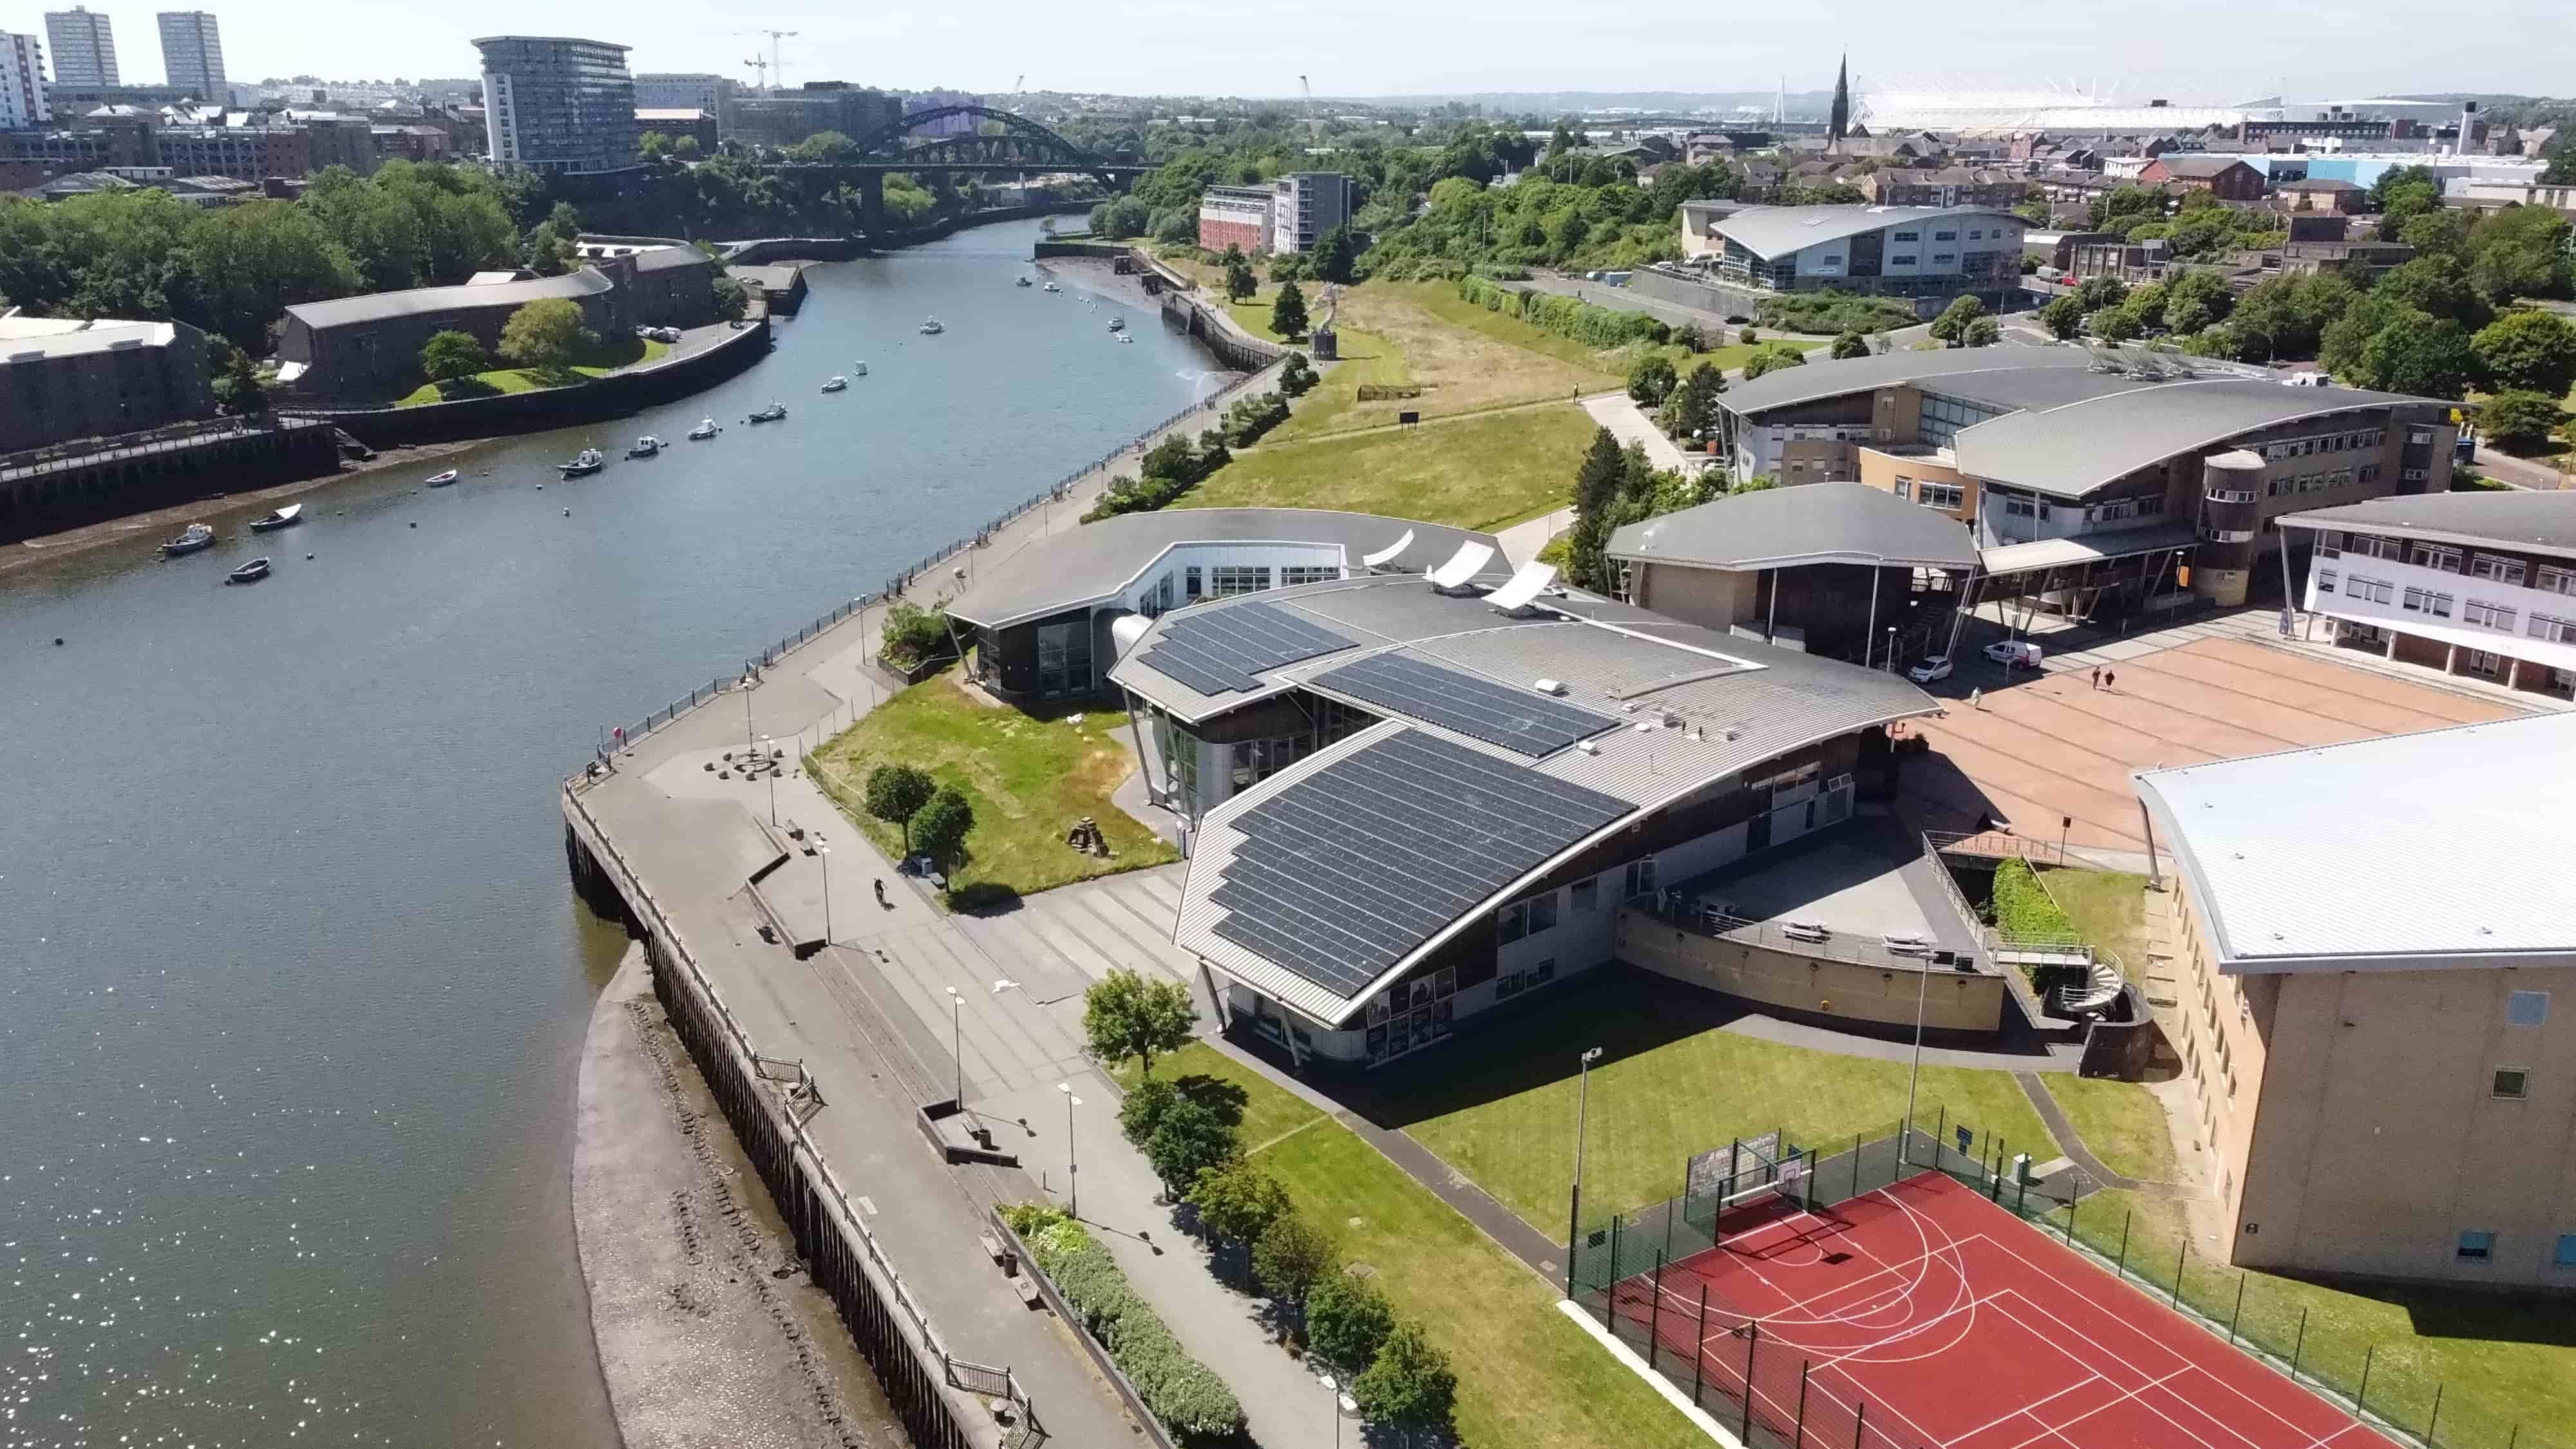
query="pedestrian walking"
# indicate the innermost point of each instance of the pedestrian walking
(2107, 677)
(2097, 676)
(1977, 698)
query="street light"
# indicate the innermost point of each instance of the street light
(1072, 1164)
(825, 852)
(1922, 989)
(1342, 1404)
(770, 766)
(1582, 1110)
(956, 1048)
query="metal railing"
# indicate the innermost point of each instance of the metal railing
(168, 438)
(1789, 938)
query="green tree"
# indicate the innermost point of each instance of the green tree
(1347, 1320)
(2528, 349)
(2520, 421)
(939, 828)
(2063, 317)
(1651, 380)
(2097, 293)
(1237, 1200)
(686, 148)
(2561, 170)
(2438, 285)
(653, 146)
(1954, 319)
(896, 793)
(2195, 300)
(2521, 251)
(1288, 311)
(1335, 250)
(548, 332)
(1189, 1138)
(1240, 285)
(1850, 344)
(237, 386)
(2446, 231)
(447, 356)
(732, 299)
(1983, 332)
(1596, 495)
(1290, 1257)
(2339, 346)
(1699, 393)
(1409, 1385)
(1771, 357)
(1124, 1015)
(824, 148)
(247, 264)
(1143, 1109)
(2288, 316)
(2430, 361)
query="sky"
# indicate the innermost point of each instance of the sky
(2185, 50)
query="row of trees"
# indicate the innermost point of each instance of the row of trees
(1169, 469)
(934, 818)
(1190, 1133)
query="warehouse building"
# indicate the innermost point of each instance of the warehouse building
(1925, 254)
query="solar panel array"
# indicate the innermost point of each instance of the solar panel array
(1220, 651)
(1347, 871)
(1520, 720)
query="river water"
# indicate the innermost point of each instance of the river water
(294, 982)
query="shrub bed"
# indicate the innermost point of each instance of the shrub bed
(1596, 327)
(1185, 1394)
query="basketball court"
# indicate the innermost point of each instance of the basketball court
(1922, 1316)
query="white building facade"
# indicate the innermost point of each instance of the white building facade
(22, 82)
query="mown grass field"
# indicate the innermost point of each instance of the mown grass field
(1028, 774)
(1478, 472)
(613, 354)
(2122, 1122)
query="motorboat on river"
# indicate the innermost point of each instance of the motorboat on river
(858, 369)
(194, 537)
(287, 517)
(930, 327)
(1024, 282)
(583, 464)
(440, 480)
(705, 429)
(645, 447)
(1050, 287)
(769, 414)
(1117, 324)
(837, 383)
(249, 573)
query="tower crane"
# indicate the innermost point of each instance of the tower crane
(1314, 127)
(773, 68)
(762, 67)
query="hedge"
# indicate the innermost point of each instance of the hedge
(1184, 1393)
(1595, 327)
(2023, 906)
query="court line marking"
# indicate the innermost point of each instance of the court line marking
(2059, 1429)
(2030, 1408)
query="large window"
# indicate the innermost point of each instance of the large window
(2500, 570)
(1064, 658)
(2425, 601)
(2526, 1008)
(1587, 899)
(1229, 579)
(1257, 760)
(2489, 616)
(1290, 574)
(2434, 556)
(2555, 580)
(1640, 879)
(1941, 495)
(1943, 417)
(2369, 591)
(1412, 1014)
(2557, 631)
(2325, 581)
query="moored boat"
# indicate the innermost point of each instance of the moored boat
(440, 480)
(1117, 324)
(769, 414)
(287, 517)
(836, 384)
(583, 464)
(249, 573)
(645, 447)
(1024, 282)
(858, 369)
(705, 429)
(192, 538)
(1050, 287)
(930, 327)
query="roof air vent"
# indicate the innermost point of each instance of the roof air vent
(1550, 686)
(1587, 747)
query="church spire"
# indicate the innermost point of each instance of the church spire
(1840, 123)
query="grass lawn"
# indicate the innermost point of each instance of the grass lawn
(2504, 1366)
(1478, 472)
(2122, 1122)
(1028, 774)
(1527, 1376)
(610, 355)
(1668, 1085)
(2109, 907)
(1267, 1113)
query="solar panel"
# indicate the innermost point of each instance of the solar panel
(1521, 720)
(1352, 868)
(1222, 651)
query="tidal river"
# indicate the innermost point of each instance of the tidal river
(294, 982)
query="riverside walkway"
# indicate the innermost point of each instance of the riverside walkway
(869, 1016)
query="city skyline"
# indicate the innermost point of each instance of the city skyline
(2126, 47)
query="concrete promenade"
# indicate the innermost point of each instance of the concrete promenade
(871, 1016)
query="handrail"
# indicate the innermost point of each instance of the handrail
(1850, 947)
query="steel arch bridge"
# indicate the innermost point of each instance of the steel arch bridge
(1021, 142)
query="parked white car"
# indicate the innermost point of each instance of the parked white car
(1924, 671)
(2014, 653)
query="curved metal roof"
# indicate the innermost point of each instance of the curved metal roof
(2069, 451)
(1811, 523)
(1771, 231)
(1791, 386)
(378, 306)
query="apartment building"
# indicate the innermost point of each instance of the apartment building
(681, 91)
(2376, 954)
(1949, 186)
(1305, 205)
(22, 82)
(2476, 584)
(192, 55)
(556, 104)
(1237, 216)
(84, 47)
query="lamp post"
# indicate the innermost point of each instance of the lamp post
(747, 734)
(824, 853)
(1922, 989)
(1072, 1163)
(1342, 1404)
(1582, 1111)
(956, 1042)
(770, 767)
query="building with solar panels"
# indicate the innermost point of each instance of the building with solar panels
(1417, 787)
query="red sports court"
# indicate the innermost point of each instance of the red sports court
(1922, 1316)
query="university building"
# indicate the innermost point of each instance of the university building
(2377, 960)
(1236, 216)
(1927, 254)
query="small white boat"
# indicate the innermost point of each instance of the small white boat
(836, 384)
(287, 517)
(440, 480)
(858, 369)
(249, 573)
(645, 447)
(1050, 287)
(705, 429)
(930, 327)
(1117, 324)
(192, 538)
(583, 464)
(1126, 336)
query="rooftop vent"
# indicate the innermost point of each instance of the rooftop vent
(1550, 686)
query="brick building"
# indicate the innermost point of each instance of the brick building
(1237, 216)
(2224, 177)
(63, 378)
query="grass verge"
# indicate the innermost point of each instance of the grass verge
(2503, 1368)
(1478, 472)
(1527, 1376)
(1028, 774)
(610, 355)
(2109, 908)
(2121, 1122)
(1669, 1084)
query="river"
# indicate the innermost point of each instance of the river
(294, 980)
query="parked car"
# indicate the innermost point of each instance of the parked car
(1925, 671)
(2014, 653)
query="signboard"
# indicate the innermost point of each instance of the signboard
(1965, 1138)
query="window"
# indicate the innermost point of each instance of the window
(1941, 495)
(1542, 913)
(1513, 922)
(2366, 473)
(1945, 236)
(2556, 581)
(1193, 587)
(2025, 508)
(2325, 581)
(1976, 236)
(1909, 236)
(1640, 879)
(1901, 259)
(1303, 574)
(2512, 1083)
(2477, 1247)
(1938, 258)
(2489, 615)
(2557, 631)
(2484, 665)
(2434, 556)
(2371, 591)
(2422, 601)
(2500, 570)
(1226, 579)
(2526, 1008)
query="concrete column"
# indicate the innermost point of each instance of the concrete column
(2451, 659)
(2513, 674)
(1871, 638)
(2391, 651)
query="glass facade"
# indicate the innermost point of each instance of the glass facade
(1064, 659)
(558, 105)
(1943, 417)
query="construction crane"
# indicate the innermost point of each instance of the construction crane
(761, 66)
(1314, 127)
(772, 68)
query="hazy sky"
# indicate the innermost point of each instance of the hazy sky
(2184, 49)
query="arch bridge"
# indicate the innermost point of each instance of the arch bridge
(1019, 144)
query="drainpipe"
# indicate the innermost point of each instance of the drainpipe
(1771, 625)
(2155, 877)
(1871, 637)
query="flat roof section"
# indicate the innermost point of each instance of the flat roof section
(2538, 522)
(2404, 853)
(2069, 451)
(1791, 386)
(1518, 718)
(1225, 650)
(1810, 523)
(2058, 553)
